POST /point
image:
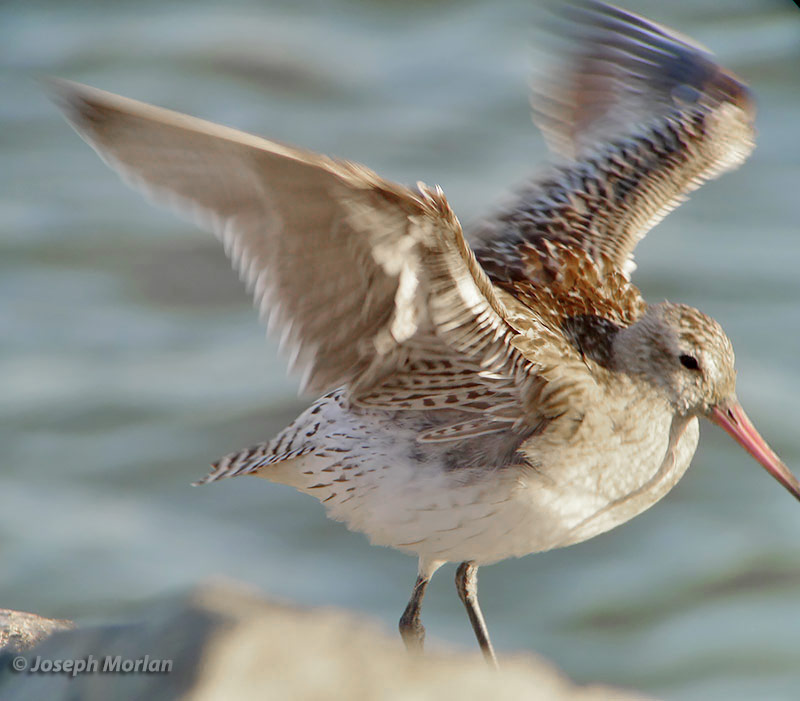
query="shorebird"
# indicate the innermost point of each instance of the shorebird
(481, 401)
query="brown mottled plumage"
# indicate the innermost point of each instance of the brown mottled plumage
(480, 405)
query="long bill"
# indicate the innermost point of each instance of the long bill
(730, 416)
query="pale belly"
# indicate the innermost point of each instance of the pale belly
(592, 489)
(377, 480)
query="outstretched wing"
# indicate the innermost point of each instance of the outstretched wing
(640, 117)
(368, 282)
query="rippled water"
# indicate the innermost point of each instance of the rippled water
(131, 358)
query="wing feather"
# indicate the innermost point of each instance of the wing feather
(640, 116)
(365, 280)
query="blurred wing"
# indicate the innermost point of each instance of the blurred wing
(641, 116)
(358, 273)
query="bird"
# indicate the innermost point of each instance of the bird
(482, 395)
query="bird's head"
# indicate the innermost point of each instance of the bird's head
(688, 356)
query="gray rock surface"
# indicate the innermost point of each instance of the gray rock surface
(20, 631)
(223, 642)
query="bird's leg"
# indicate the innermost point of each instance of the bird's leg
(467, 586)
(411, 628)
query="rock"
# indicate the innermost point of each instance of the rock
(222, 642)
(20, 631)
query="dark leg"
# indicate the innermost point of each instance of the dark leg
(467, 586)
(411, 627)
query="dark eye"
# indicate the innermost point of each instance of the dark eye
(689, 362)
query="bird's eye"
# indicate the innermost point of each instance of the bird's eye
(689, 362)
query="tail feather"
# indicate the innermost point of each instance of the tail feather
(250, 460)
(300, 438)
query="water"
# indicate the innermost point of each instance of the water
(131, 357)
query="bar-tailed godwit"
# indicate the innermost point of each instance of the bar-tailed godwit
(487, 401)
